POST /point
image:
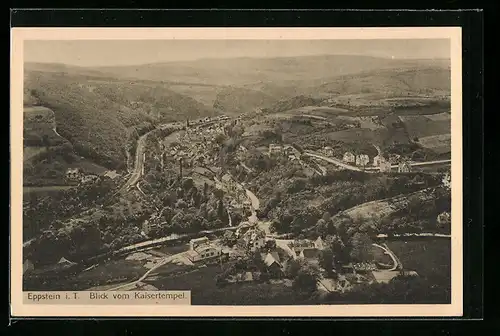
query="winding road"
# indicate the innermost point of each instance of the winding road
(390, 254)
(139, 158)
(138, 164)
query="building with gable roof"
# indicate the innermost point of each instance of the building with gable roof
(273, 264)
(404, 167)
(202, 249)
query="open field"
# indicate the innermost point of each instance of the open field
(422, 126)
(429, 257)
(439, 143)
(363, 135)
(204, 290)
(113, 270)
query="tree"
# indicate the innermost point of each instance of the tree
(326, 216)
(178, 221)
(181, 204)
(307, 278)
(327, 260)
(256, 262)
(270, 245)
(339, 249)
(220, 209)
(361, 247)
(46, 141)
(196, 198)
(205, 191)
(292, 268)
(188, 184)
(228, 239)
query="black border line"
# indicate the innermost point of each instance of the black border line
(471, 22)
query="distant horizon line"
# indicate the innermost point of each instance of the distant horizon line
(240, 57)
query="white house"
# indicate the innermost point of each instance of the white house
(444, 218)
(349, 157)
(204, 252)
(275, 149)
(112, 174)
(73, 174)
(377, 160)
(194, 243)
(328, 151)
(385, 166)
(362, 160)
(254, 239)
(91, 178)
(404, 167)
(319, 244)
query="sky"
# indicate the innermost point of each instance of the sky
(90, 53)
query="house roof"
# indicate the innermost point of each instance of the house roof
(202, 248)
(198, 240)
(65, 261)
(319, 243)
(310, 253)
(111, 174)
(191, 253)
(272, 258)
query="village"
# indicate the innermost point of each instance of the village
(249, 255)
(384, 165)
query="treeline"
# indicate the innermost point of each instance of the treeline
(420, 215)
(186, 208)
(47, 219)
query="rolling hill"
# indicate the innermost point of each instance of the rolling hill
(245, 70)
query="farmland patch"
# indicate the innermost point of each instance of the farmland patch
(421, 126)
(439, 143)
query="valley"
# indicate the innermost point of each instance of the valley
(124, 167)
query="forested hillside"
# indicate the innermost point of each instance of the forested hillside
(98, 115)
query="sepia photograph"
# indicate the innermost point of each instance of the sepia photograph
(238, 169)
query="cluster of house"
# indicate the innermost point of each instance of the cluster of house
(197, 146)
(78, 175)
(288, 151)
(384, 165)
